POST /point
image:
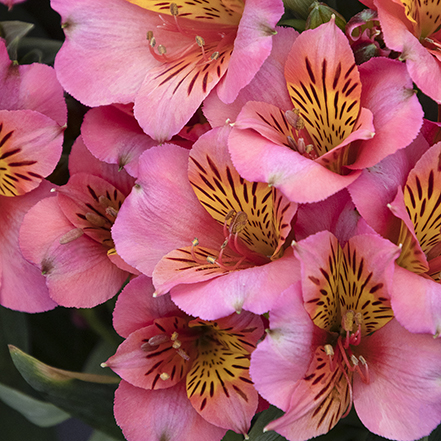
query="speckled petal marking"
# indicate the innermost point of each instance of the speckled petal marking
(362, 292)
(15, 170)
(220, 190)
(225, 12)
(222, 363)
(426, 14)
(328, 95)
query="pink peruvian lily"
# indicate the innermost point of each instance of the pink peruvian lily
(411, 27)
(333, 341)
(340, 119)
(179, 51)
(171, 360)
(194, 224)
(400, 199)
(68, 236)
(32, 122)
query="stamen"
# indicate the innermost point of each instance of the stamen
(176, 344)
(96, 220)
(110, 211)
(152, 41)
(71, 235)
(162, 50)
(329, 351)
(149, 36)
(195, 243)
(174, 336)
(164, 376)
(183, 354)
(294, 119)
(215, 55)
(174, 10)
(158, 339)
(365, 378)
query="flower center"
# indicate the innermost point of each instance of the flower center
(341, 356)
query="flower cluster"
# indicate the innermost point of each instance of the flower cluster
(236, 177)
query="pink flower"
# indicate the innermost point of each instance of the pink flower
(194, 224)
(167, 352)
(68, 236)
(340, 119)
(412, 28)
(162, 56)
(333, 341)
(32, 122)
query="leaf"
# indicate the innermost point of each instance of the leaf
(100, 436)
(88, 397)
(36, 411)
(232, 436)
(256, 432)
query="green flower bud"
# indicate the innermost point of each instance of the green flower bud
(320, 13)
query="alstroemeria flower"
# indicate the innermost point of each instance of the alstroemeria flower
(199, 228)
(412, 27)
(68, 236)
(333, 342)
(321, 144)
(165, 347)
(32, 122)
(177, 51)
(418, 205)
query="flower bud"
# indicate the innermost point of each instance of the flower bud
(300, 8)
(320, 13)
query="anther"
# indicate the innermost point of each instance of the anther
(71, 236)
(183, 354)
(176, 344)
(104, 201)
(294, 120)
(110, 211)
(164, 376)
(174, 10)
(214, 55)
(152, 41)
(354, 360)
(162, 50)
(96, 220)
(174, 336)
(211, 260)
(149, 36)
(200, 41)
(158, 339)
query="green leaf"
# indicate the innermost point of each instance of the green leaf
(13, 32)
(101, 436)
(36, 411)
(88, 397)
(256, 432)
(232, 436)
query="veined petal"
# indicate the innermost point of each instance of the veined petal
(222, 191)
(86, 200)
(318, 402)
(156, 366)
(219, 385)
(412, 256)
(160, 415)
(403, 398)
(30, 147)
(357, 278)
(324, 84)
(137, 308)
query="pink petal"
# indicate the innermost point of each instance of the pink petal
(285, 354)
(31, 145)
(252, 45)
(21, 88)
(148, 218)
(22, 286)
(81, 160)
(160, 414)
(78, 273)
(96, 42)
(114, 136)
(403, 398)
(299, 178)
(388, 92)
(136, 307)
(253, 289)
(268, 85)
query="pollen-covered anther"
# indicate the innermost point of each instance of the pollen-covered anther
(174, 336)
(152, 41)
(162, 50)
(149, 36)
(71, 236)
(215, 55)
(176, 344)
(164, 376)
(174, 10)
(354, 360)
(96, 220)
(294, 119)
(200, 41)
(329, 351)
(110, 211)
